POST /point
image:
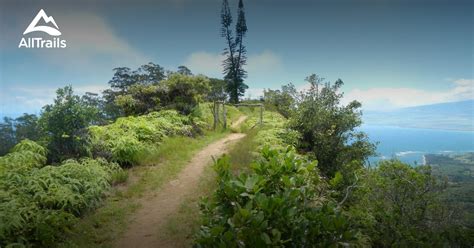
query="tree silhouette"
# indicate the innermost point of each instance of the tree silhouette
(184, 70)
(235, 52)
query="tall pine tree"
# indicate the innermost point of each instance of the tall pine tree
(235, 52)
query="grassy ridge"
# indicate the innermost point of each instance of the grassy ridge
(159, 163)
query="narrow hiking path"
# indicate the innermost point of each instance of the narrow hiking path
(156, 209)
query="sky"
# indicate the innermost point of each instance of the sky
(389, 53)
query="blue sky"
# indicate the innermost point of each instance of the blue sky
(389, 53)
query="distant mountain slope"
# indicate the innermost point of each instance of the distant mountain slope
(450, 115)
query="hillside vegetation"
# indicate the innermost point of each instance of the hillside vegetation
(130, 138)
(458, 170)
(39, 202)
(80, 146)
(161, 158)
(308, 186)
(297, 179)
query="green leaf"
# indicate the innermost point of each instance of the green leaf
(266, 238)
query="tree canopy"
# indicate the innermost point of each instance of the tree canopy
(64, 123)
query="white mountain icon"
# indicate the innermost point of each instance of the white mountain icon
(47, 29)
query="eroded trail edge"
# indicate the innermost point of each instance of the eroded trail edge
(156, 210)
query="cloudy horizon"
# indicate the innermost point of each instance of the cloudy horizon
(388, 55)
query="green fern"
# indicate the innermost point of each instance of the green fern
(38, 203)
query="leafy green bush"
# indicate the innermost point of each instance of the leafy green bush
(184, 92)
(283, 101)
(65, 125)
(126, 150)
(139, 99)
(328, 129)
(128, 138)
(125, 140)
(38, 203)
(26, 154)
(400, 205)
(273, 132)
(280, 202)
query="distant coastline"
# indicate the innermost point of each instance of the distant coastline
(471, 129)
(456, 116)
(411, 145)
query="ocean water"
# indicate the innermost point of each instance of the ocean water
(410, 144)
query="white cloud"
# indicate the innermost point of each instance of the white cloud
(206, 63)
(210, 64)
(26, 99)
(264, 62)
(254, 93)
(50, 92)
(93, 49)
(93, 88)
(91, 41)
(23, 100)
(391, 97)
(464, 88)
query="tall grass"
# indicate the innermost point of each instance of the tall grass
(242, 154)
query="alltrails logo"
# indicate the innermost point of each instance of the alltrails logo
(38, 42)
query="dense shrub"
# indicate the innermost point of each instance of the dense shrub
(39, 203)
(184, 92)
(283, 101)
(7, 135)
(140, 99)
(137, 97)
(65, 125)
(328, 129)
(25, 155)
(280, 202)
(127, 138)
(401, 205)
(273, 133)
(13, 131)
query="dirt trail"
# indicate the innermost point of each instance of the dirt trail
(239, 121)
(156, 210)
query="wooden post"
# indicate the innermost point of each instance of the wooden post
(215, 112)
(224, 115)
(261, 114)
(214, 115)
